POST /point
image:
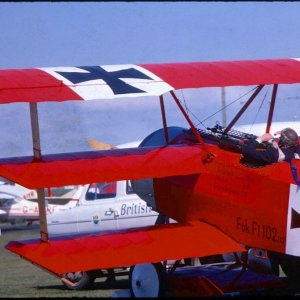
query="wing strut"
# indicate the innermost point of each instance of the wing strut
(245, 106)
(270, 117)
(164, 119)
(37, 154)
(194, 129)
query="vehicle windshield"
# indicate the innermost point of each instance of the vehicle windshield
(101, 191)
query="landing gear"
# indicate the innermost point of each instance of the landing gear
(78, 280)
(289, 264)
(147, 280)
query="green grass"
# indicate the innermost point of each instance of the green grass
(19, 278)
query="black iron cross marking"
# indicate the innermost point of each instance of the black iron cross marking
(295, 219)
(111, 78)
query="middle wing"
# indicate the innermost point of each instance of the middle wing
(108, 165)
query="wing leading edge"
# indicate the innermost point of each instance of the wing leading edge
(115, 81)
(153, 244)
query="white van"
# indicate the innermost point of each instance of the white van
(102, 208)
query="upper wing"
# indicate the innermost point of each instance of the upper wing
(114, 81)
(107, 165)
(154, 244)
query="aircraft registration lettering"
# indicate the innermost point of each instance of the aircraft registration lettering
(260, 230)
(50, 209)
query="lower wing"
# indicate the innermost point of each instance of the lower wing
(152, 244)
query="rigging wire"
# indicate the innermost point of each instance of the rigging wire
(185, 104)
(259, 109)
(232, 102)
(190, 113)
(223, 108)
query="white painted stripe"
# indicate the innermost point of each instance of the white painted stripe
(99, 89)
(293, 234)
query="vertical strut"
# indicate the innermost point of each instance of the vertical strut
(224, 121)
(36, 144)
(164, 119)
(37, 154)
(272, 106)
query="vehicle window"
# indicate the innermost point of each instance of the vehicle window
(101, 190)
(129, 189)
(7, 202)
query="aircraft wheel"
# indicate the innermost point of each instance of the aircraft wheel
(289, 264)
(78, 280)
(147, 280)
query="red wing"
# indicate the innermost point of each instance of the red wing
(153, 244)
(99, 166)
(104, 82)
(228, 73)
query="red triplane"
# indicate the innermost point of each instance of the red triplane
(193, 176)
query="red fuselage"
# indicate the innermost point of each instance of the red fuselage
(249, 204)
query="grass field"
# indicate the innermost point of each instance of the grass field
(19, 278)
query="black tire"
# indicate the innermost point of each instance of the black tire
(147, 280)
(290, 264)
(78, 280)
(211, 259)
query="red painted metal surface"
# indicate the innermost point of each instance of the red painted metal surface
(227, 73)
(108, 165)
(153, 244)
(32, 85)
(248, 204)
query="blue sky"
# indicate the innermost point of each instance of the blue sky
(42, 34)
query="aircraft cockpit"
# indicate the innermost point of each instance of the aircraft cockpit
(230, 140)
